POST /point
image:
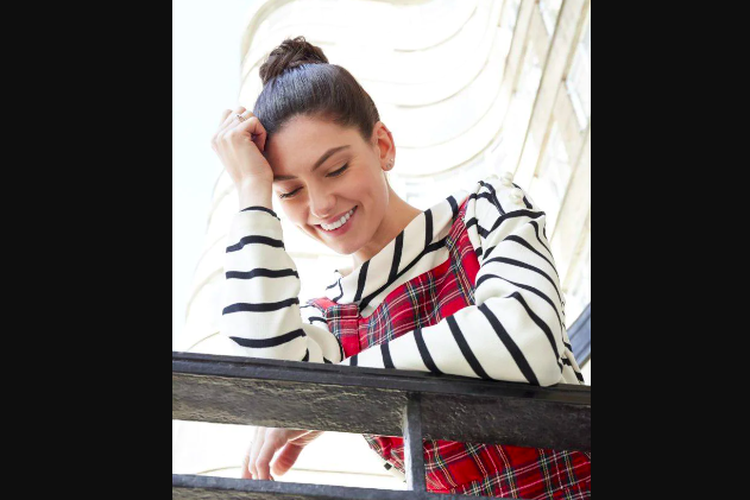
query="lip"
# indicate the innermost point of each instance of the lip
(337, 217)
(343, 229)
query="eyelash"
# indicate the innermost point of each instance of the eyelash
(335, 173)
(338, 172)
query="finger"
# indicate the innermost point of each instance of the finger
(262, 463)
(260, 433)
(285, 459)
(229, 115)
(245, 471)
(228, 119)
(224, 116)
(245, 114)
(231, 119)
(257, 444)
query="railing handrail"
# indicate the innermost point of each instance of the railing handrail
(189, 486)
(252, 391)
(415, 405)
(243, 367)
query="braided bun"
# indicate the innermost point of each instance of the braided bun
(291, 53)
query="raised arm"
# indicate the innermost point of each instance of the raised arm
(261, 316)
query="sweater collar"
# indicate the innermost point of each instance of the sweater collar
(377, 274)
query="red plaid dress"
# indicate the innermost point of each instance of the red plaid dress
(454, 467)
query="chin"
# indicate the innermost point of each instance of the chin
(342, 249)
(339, 249)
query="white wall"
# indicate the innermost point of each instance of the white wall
(205, 80)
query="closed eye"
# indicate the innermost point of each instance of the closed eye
(335, 173)
(338, 172)
(289, 195)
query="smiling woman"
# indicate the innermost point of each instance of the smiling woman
(467, 287)
(343, 200)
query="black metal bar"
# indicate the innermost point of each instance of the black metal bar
(227, 389)
(190, 487)
(413, 445)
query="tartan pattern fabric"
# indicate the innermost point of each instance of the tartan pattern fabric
(496, 470)
(454, 467)
(343, 321)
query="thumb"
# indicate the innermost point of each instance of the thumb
(286, 458)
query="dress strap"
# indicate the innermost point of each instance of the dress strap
(343, 321)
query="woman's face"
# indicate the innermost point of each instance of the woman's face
(325, 174)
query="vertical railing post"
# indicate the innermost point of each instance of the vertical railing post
(413, 444)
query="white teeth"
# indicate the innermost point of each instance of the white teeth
(338, 223)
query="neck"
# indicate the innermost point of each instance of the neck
(398, 215)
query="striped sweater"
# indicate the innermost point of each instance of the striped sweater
(468, 288)
(509, 326)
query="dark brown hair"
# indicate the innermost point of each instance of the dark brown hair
(298, 80)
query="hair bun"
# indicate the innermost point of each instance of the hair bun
(290, 54)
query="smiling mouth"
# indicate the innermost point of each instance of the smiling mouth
(339, 223)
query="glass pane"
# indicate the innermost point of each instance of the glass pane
(578, 82)
(552, 178)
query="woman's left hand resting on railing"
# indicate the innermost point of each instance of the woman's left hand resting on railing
(266, 443)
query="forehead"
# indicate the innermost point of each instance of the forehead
(302, 140)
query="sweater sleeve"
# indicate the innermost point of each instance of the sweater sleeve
(515, 331)
(262, 316)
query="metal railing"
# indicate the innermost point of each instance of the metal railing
(415, 405)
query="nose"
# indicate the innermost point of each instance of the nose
(322, 204)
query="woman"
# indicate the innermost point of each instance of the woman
(467, 287)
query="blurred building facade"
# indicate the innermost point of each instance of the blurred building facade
(468, 88)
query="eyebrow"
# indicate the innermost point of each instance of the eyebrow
(318, 163)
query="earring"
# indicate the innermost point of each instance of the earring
(390, 163)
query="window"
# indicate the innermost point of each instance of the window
(552, 177)
(578, 82)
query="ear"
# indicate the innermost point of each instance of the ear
(384, 145)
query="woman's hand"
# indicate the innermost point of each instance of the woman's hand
(240, 143)
(267, 441)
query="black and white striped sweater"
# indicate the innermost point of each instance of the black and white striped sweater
(514, 331)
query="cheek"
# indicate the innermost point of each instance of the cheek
(379, 192)
(297, 213)
(293, 213)
(370, 187)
